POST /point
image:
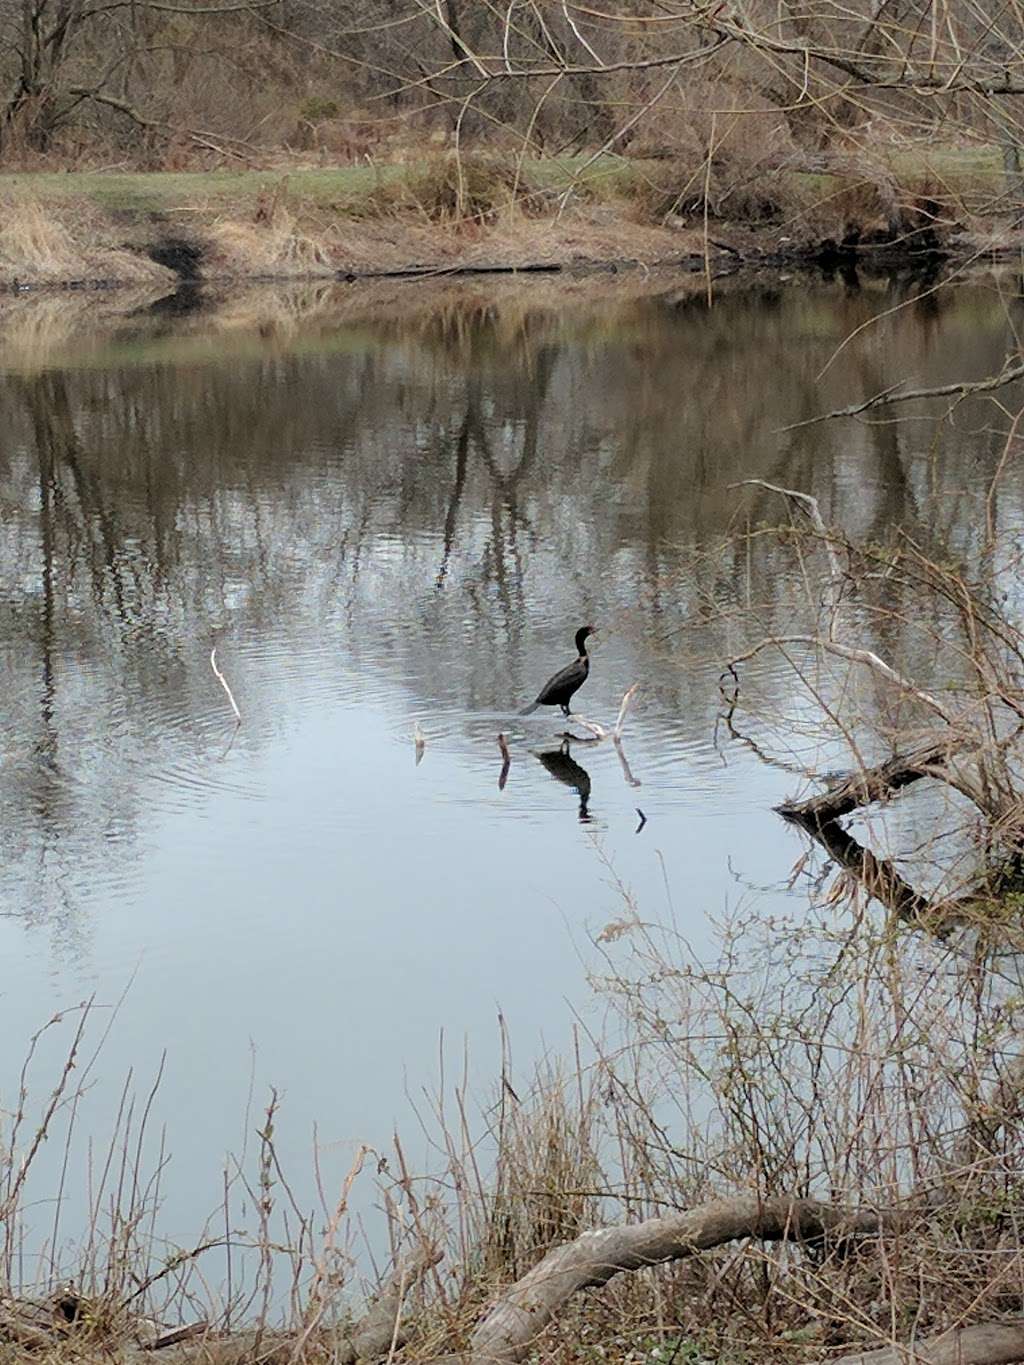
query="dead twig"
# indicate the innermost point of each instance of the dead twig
(860, 656)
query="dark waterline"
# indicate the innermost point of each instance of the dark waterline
(392, 512)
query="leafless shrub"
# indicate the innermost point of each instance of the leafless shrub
(473, 187)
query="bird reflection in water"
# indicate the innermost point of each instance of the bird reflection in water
(564, 768)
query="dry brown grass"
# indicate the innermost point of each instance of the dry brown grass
(41, 244)
(272, 243)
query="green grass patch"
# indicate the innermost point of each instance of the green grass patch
(166, 192)
(183, 191)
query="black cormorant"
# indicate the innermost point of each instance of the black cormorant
(558, 690)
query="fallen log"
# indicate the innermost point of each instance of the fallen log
(990, 1343)
(511, 1326)
(875, 784)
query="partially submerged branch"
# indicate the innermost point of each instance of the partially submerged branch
(627, 702)
(868, 785)
(598, 731)
(880, 879)
(224, 683)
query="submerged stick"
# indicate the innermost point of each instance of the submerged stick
(598, 731)
(419, 739)
(506, 762)
(224, 683)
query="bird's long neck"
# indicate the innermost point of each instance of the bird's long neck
(581, 645)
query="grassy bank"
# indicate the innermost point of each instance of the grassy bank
(479, 211)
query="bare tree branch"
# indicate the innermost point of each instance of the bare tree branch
(1008, 375)
(512, 1324)
(858, 656)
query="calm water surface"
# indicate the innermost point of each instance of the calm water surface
(387, 510)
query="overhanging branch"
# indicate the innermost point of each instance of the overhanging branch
(894, 394)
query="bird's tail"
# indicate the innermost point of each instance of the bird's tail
(529, 710)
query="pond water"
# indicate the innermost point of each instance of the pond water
(390, 508)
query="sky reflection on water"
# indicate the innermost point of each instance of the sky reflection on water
(388, 514)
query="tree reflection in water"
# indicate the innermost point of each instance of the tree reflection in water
(427, 486)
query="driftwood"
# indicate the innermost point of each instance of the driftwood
(819, 817)
(990, 1343)
(509, 1329)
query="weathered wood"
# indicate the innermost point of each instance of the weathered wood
(875, 784)
(232, 1348)
(511, 1326)
(17, 1326)
(990, 1343)
(175, 1336)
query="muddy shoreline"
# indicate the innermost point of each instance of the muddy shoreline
(84, 252)
(720, 264)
